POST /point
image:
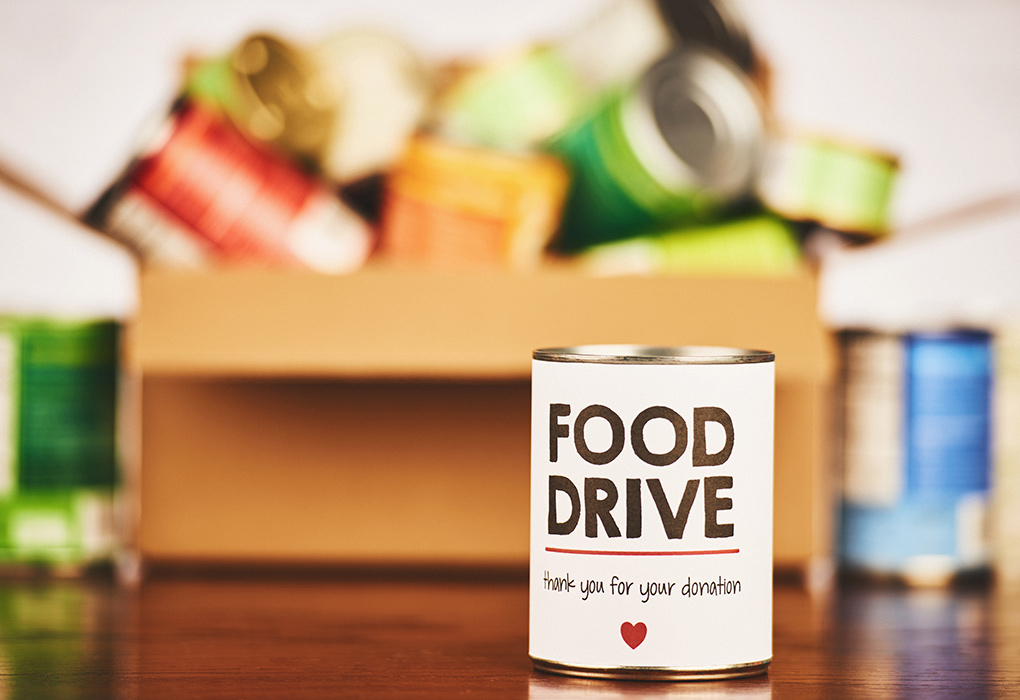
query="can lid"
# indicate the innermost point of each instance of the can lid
(282, 96)
(654, 355)
(709, 116)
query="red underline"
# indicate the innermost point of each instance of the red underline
(616, 553)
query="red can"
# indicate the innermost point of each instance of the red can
(205, 187)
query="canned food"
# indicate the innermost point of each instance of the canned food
(627, 36)
(675, 149)
(385, 88)
(513, 101)
(651, 512)
(453, 205)
(752, 245)
(714, 23)
(202, 192)
(274, 91)
(837, 184)
(916, 455)
(58, 458)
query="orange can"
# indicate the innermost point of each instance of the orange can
(458, 206)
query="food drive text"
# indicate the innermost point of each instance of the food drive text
(600, 495)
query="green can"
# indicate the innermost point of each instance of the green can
(758, 245)
(677, 147)
(58, 456)
(838, 184)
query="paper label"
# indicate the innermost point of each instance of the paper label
(651, 515)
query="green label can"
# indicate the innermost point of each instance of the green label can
(58, 456)
(676, 147)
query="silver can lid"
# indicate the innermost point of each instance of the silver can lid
(653, 355)
(710, 117)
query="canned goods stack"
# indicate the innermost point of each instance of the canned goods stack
(250, 164)
(647, 123)
(203, 192)
(58, 458)
(656, 110)
(916, 454)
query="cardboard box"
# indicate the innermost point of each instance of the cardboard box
(372, 418)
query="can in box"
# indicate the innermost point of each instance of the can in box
(651, 512)
(202, 192)
(450, 205)
(679, 146)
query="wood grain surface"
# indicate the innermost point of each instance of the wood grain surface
(441, 637)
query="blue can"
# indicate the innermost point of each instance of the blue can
(925, 523)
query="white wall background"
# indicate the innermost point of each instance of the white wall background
(932, 80)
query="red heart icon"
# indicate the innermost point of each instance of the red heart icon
(633, 634)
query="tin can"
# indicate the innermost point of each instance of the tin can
(718, 24)
(761, 245)
(274, 91)
(676, 148)
(622, 40)
(384, 88)
(1006, 457)
(202, 192)
(837, 184)
(651, 512)
(59, 471)
(452, 206)
(513, 101)
(617, 44)
(916, 465)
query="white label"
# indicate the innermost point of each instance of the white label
(328, 237)
(142, 223)
(651, 515)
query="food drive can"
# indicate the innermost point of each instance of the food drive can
(651, 512)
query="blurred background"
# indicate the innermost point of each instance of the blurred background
(870, 145)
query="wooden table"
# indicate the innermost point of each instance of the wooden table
(277, 636)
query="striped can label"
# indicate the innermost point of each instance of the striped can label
(916, 456)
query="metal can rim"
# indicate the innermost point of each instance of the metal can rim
(654, 673)
(653, 355)
(738, 124)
